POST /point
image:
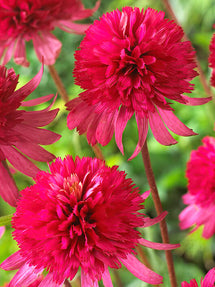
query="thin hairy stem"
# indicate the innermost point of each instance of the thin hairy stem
(202, 77)
(159, 209)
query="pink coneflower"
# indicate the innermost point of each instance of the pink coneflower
(212, 59)
(208, 281)
(132, 63)
(80, 214)
(25, 20)
(20, 132)
(201, 189)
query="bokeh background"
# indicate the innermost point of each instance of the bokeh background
(196, 254)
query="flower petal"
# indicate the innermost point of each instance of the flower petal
(209, 280)
(8, 188)
(20, 53)
(188, 216)
(48, 281)
(72, 27)
(86, 281)
(19, 161)
(140, 271)
(13, 262)
(47, 47)
(37, 101)
(124, 115)
(157, 246)
(195, 101)
(142, 124)
(174, 124)
(107, 279)
(2, 230)
(151, 221)
(39, 118)
(105, 128)
(159, 130)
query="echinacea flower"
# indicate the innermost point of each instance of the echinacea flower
(132, 63)
(80, 214)
(201, 189)
(212, 59)
(208, 281)
(25, 20)
(20, 132)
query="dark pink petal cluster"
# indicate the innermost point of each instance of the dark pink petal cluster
(208, 281)
(132, 63)
(20, 130)
(212, 59)
(81, 214)
(24, 20)
(201, 189)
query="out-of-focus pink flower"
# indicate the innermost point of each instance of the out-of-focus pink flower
(132, 62)
(80, 214)
(208, 281)
(2, 230)
(25, 20)
(212, 59)
(20, 132)
(201, 189)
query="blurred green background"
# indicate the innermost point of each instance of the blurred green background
(196, 254)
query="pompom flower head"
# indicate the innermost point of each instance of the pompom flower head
(208, 281)
(20, 132)
(80, 214)
(201, 189)
(25, 20)
(132, 62)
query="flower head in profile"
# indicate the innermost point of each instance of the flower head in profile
(25, 20)
(81, 214)
(212, 59)
(208, 281)
(20, 132)
(132, 63)
(201, 189)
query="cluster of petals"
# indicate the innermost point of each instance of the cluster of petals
(132, 62)
(201, 189)
(208, 281)
(25, 20)
(212, 59)
(81, 214)
(20, 132)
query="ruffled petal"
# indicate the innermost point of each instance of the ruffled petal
(140, 271)
(20, 162)
(13, 262)
(159, 130)
(174, 124)
(86, 281)
(142, 124)
(20, 53)
(8, 188)
(47, 47)
(157, 246)
(107, 279)
(123, 117)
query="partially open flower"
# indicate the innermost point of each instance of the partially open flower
(132, 63)
(208, 281)
(25, 20)
(201, 189)
(20, 132)
(81, 214)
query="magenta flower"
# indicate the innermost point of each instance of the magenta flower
(25, 20)
(20, 132)
(208, 281)
(80, 214)
(201, 189)
(132, 62)
(212, 59)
